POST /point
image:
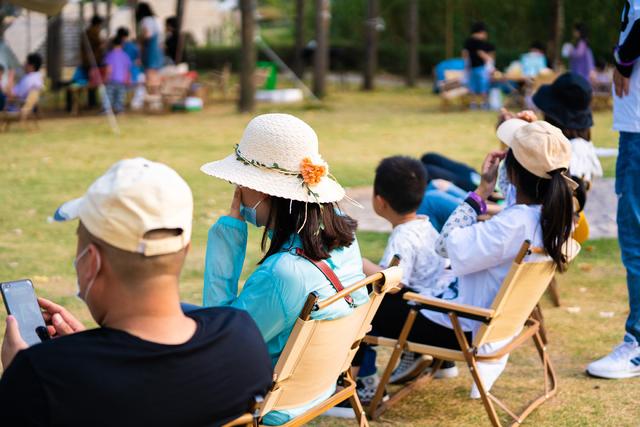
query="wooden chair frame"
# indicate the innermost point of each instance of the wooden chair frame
(27, 111)
(468, 353)
(381, 283)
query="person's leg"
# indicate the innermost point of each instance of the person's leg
(438, 206)
(624, 360)
(121, 92)
(441, 167)
(629, 223)
(109, 96)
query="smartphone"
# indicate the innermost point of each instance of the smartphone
(20, 300)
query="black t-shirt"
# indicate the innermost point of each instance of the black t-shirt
(473, 45)
(107, 377)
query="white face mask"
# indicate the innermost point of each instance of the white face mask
(79, 294)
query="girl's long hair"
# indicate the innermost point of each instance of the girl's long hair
(556, 198)
(324, 230)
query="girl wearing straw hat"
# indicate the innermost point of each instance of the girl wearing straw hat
(284, 185)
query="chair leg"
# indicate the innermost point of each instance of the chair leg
(361, 417)
(554, 292)
(473, 368)
(376, 407)
(537, 315)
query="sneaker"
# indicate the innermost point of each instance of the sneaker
(341, 410)
(366, 388)
(622, 362)
(448, 369)
(411, 365)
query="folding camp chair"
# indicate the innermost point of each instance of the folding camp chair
(319, 352)
(508, 316)
(248, 419)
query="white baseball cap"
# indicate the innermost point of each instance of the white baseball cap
(134, 197)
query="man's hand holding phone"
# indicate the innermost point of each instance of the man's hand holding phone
(58, 320)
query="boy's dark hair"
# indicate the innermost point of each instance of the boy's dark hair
(96, 20)
(538, 45)
(143, 10)
(122, 32)
(401, 181)
(35, 60)
(582, 30)
(478, 27)
(117, 41)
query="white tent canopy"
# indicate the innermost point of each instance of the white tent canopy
(48, 7)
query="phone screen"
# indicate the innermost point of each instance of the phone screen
(20, 300)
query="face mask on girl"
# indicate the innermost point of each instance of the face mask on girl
(249, 214)
(79, 294)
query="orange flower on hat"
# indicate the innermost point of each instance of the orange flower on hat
(312, 174)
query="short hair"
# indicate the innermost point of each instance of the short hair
(478, 27)
(35, 60)
(96, 20)
(172, 22)
(117, 40)
(538, 45)
(143, 10)
(122, 32)
(401, 181)
(130, 267)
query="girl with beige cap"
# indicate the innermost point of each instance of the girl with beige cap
(284, 185)
(481, 253)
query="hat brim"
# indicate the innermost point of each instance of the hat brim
(69, 210)
(545, 100)
(507, 130)
(272, 182)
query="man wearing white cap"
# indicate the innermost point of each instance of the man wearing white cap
(147, 363)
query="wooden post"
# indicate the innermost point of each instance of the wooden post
(321, 57)
(371, 44)
(54, 49)
(413, 36)
(298, 60)
(179, 26)
(95, 7)
(448, 29)
(555, 44)
(247, 99)
(107, 18)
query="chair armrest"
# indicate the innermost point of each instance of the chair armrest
(444, 306)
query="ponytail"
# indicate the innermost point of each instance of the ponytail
(556, 198)
(557, 218)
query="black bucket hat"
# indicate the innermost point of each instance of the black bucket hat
(567, 101)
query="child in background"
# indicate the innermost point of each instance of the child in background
(32, 79)
(118, 66)
(399, 186)
(137, 76)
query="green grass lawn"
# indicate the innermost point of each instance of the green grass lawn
(42, 169)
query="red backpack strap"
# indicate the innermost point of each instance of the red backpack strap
(328, 273)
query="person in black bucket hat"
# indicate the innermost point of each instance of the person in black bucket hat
(566, 102)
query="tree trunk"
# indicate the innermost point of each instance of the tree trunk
(555, 44)
(413, 39)
(321, 57)
(298, 64)
(448, 41)
(54, 50)
(247, 99)
(180, 25)
(371, 44)
(107, 18)
(95, 7)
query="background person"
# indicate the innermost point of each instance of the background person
(479, 54)
(92, 47)
(579, 52)
(147, 363)
(117, 76)
(32, 80)
(282, 185)
(150, 39)
(624, 360)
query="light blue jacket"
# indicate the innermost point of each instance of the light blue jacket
(276, 291)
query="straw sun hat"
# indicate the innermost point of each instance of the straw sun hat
(278, 155)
